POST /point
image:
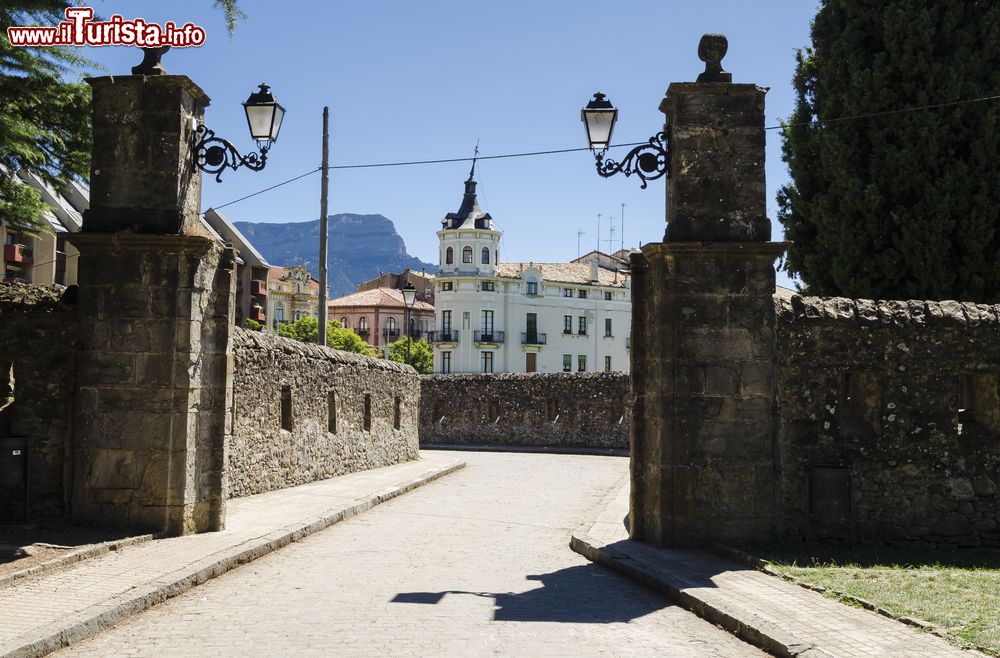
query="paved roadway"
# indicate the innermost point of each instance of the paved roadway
(474, 564)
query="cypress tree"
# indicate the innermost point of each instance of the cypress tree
(903, 205)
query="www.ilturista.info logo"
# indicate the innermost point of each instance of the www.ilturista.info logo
(80, 29)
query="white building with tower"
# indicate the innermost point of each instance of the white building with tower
(522, 317)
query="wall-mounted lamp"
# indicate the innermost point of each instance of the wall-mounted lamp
(264, 114)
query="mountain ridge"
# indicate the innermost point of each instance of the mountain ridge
(360, 247)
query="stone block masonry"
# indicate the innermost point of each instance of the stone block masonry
(901, 397)
(302, 412)
(563, 410)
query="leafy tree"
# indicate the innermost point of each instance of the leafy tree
(421, 354)
(45, 122)
(903, 205)
(252, 325)
(307, 330)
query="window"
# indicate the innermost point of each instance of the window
(286, 407)
(567, 292)
(446, 322)
(607, 364)
(445, 362)
(582, 325)
(467, 255)
(607, 327)
(279, 313)
(397, 413)
(488, 286)
(331, 412)
(449, 256)
(487, 322)
(368, 412)
(567, 324)
(487, 362)
(363, 325)
(447, 286)
(607, 296)
(581, 363)
(567, 362)
(391, 325)
(486, 256)
(532, 287)
(582, 294)
(343, 323)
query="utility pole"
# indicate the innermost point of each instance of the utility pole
(323, 225)
(598, 231)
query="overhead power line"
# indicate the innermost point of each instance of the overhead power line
(868, 115)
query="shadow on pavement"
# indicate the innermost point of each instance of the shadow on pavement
(580, 594)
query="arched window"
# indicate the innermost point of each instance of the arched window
(343, 323)
(449, 256)
(391, 324)
(279, 313)
(467, 255)
(363, 324)
(486, 255)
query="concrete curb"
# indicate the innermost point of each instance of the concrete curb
(73, 557)
(93, 620)
(757, 632)
(553, 450)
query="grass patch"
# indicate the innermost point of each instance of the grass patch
(956, 590)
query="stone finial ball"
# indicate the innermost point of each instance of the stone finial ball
(712, 48)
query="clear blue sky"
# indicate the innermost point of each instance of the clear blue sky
(424, 80)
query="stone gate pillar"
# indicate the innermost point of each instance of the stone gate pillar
(154, 378)
(702, 436)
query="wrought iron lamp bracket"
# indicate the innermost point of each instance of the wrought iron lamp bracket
(214, 155)
(648, 161)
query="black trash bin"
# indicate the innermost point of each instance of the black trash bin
(15, 495)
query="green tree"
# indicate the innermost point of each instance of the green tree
(252, 325)
(45, 121)
(307, 330)
(421, 354)
(903, 205)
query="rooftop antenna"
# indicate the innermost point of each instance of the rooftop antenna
(599, 231)
(475, 156)
(623, 226)
(579, 233)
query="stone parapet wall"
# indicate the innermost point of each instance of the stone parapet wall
(565, 410)
(878, 387)
(39, 329)
(263, 456)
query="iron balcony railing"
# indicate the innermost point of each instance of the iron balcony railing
(389, 333)
(533, 339)
(444, 336)
(488, 336)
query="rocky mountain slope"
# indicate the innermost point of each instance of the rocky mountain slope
(360, 247)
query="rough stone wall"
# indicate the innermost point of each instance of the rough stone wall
(263, 456)
(39, 337)
(572, 410)
(877, 387)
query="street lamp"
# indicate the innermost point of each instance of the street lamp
(648, 161)
(264, 114)
(409, 296)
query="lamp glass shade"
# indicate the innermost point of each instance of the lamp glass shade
(599, 118)
(264, 115)
(409, 295)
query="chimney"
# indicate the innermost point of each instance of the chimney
(593, 271)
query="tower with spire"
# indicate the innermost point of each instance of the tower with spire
(469, 241)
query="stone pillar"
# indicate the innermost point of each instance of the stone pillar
(154, 378)
(702, 435)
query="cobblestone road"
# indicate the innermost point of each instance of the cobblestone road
(474, 564)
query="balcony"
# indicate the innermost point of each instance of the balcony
(257, 313)
(495, 337)
(362, 332)
(534, 339)
(416, 334)
(390, 333)
(448, 336)
(17, 253)
(258, 287)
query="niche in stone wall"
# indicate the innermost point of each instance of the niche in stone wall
(397, 413)
(858, 408)
(493, 411)
(552, 409)
(368, 412)
(286, 407)
(331, 412)
(978, 404)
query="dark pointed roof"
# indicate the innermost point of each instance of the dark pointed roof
(469, 214)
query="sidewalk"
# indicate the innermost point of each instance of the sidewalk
(44, 613)
(779, 617)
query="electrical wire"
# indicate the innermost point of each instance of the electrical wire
(267, 189)
(869, 115)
